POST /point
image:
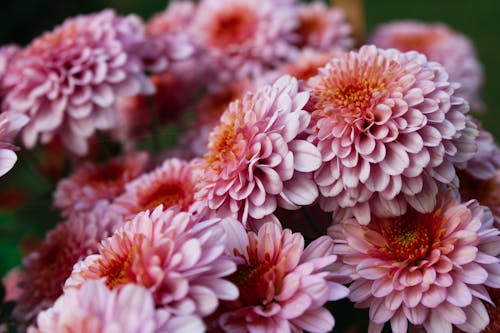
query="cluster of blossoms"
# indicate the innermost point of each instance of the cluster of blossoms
(300, 171)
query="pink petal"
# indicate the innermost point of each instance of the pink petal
(306, 156)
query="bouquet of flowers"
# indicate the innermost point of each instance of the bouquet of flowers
(244, 166)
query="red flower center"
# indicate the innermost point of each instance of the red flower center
(169, 194)
(233, 27)
(414, 42)
(308, 25)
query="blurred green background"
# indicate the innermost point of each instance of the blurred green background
(21, 21)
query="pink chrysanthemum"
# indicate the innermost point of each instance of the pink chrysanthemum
(255, 160)
(429, 269)
(283, 286)
(95, 308)
(93, 183)
(323, 28)
(241, 37)
(439, 43)
(174, 255)
(46, 269)
(208, 113)
(389, 128)
(486, 162)
(171, 185)
(67, 80)
(10, 124)
(169, 36)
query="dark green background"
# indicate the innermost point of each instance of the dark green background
(22, 20)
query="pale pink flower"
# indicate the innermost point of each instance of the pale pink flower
(389, 128)
(439, 43)
(176, 256)
(10, 281)
(486, 162)
(10, 124)
(427, 269)
(46, 269)
(95, 308)
(283, 286)
(255, 160)
(170, 39)
(243, 37)
(92, 183)
(171, 185)
(323, 27)
(67, 80)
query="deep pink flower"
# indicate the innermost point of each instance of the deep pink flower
(10, 124)
(67, 81)
(171, 185)
(439, 43)
(255, 160)
(95, 308)
(322, 27)
(46, 269)
(429, 269)
(242, 37)
(176, 256)
(92, 183)
(389, 128)
(283, 286)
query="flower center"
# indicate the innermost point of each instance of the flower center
(308, 25)
(410, 237)
(168, 194)
(415, 42)
(233, 27)
(118, 271)
(108, 175)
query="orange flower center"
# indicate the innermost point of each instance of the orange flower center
(233, 27)
(168, 194)
(118, 271)
(411, 237)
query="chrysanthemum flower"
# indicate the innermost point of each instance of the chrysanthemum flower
(486, 162)
(10, 124)
(283, 286)
(429, 269)
(171, 185)
(170, 39)
(46, 269)
(208, 112)
(67, 80)
(255, 160)
(176, 256)
(441, 44)
(322, 27)
(92, 183)
(241, 37)
(95, 308)
(389, 128)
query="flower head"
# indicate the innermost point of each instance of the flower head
(46, 269)
(389, 128)
(255, 159)
(92, 183)
(177, 256)
(67, 80)
(323, 28)
(96, 308)
(441, 44)
(244, 35)
(426, 268)
(171, 185)
(283, 286)
(10, 124)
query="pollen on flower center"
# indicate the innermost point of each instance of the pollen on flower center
(407, 239)
(167, 194)
(225, 146)
(350, 94)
